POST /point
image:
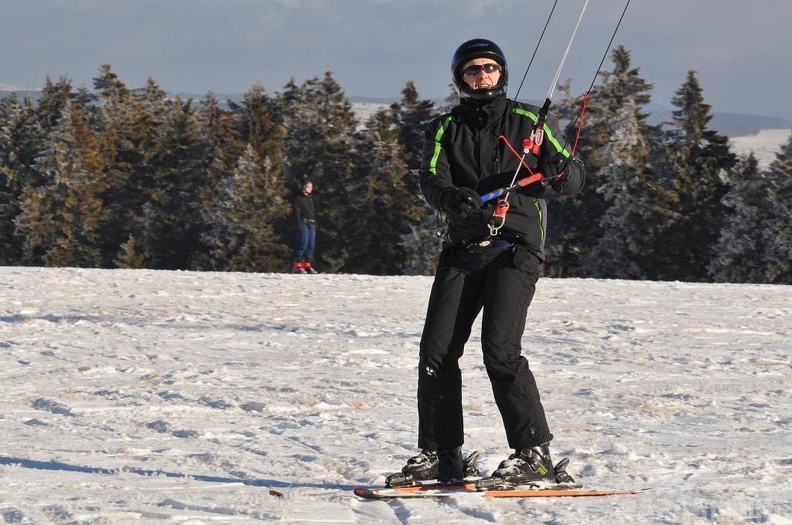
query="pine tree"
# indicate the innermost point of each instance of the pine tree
(130, 256)
(579, 232)
(60, 220)
(638, 211)
(390, 209)
(179, 168)
(51, 106)
(572, 220)
(450, 101)
(699, 159)
(224, 148)
(20, 139)
(243, 218)
(637, 207)
(32, 231)
(217, 127)
(740, 255)
(417, 222)
(127, 141)
(57, 179)
(779, 222)
(256, 124)
(411, 117)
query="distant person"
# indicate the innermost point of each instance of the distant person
(489, 263)
(305, 214)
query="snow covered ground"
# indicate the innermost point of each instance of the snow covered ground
(177, 397)
(764, 144)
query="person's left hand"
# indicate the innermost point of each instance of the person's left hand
(554, 169)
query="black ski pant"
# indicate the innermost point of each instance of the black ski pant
(502, 285)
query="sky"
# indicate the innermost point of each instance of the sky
(179, 398)
(374, 47)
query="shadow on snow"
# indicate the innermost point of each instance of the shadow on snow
(269, 483)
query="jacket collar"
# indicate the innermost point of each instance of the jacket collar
(479, 114)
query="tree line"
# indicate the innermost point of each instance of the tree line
(116, 177)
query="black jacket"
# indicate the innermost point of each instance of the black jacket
(463, 148)
(304, 210)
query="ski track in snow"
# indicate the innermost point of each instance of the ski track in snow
(181, 397)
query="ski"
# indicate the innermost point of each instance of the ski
(433, 490)
(436, 490)
(518, 492)
(403, 485)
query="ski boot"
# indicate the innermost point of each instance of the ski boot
(529, 466)
(445, 466)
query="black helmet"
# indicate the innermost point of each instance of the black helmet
(478, 48)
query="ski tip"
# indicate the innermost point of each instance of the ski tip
(365, 493)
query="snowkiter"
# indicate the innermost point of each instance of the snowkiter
(487, 263)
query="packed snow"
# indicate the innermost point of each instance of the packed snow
(132, 396)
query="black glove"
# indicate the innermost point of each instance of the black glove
(465, 202)
(554, 170)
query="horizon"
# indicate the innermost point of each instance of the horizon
(6, 87)
(724, 119)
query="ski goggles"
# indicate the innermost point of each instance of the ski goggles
(475, 70)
